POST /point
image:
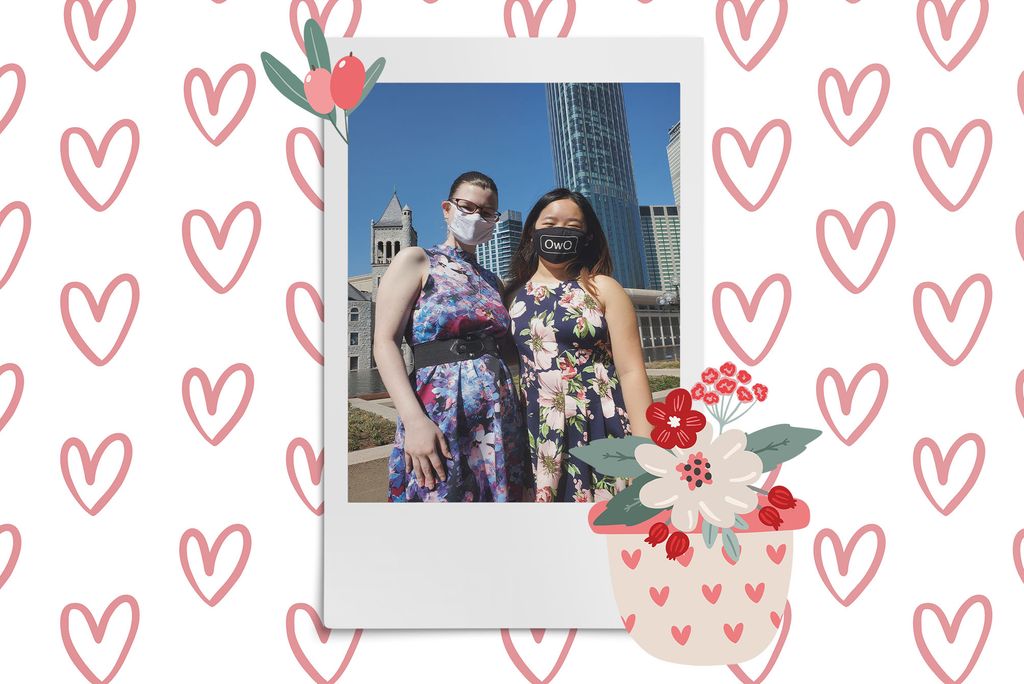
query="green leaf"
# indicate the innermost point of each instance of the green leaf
(740, 524)
(612, 455)
(731, 544)
(710, 533)
(316, 46)
(372, 74)
(779, 443)
(625, 507)
(287, 83)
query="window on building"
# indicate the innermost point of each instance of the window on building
(353, 313)
(353, 363)
(353, 338)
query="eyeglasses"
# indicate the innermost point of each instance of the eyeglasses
(467, 207)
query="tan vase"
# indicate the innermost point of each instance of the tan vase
(702, 608)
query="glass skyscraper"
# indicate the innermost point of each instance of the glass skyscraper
(591, 151)
(496, 254)
(673, 159)
(661, 245)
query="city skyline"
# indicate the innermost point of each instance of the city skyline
(390, 139)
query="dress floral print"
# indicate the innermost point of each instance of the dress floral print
(569, 386)
(473, 401)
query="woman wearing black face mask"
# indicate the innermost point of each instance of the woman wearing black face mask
(568, 314)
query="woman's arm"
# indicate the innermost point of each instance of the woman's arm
(628, 352)
(396, 296)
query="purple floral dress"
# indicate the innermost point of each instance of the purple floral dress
(474, 401)
(569, 385)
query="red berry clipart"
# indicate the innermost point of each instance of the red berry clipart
(317, 85)
(347, 81)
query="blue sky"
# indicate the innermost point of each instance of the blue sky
(418, 137)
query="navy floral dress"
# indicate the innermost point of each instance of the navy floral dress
(569, 385)
(474, 401)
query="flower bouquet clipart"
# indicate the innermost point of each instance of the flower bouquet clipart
(700, 557)
(324, 90)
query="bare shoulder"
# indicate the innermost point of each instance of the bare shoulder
(608, 288)
(411, 257)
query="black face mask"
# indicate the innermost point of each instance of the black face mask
(558, 244)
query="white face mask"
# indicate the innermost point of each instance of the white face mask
(471, 229)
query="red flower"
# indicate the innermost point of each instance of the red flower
(726, 385)
(744, 395)
(677, 545)
(657, 534)
(698, 390)
(709, 376)
(674, 420)
(728, 369)
(568, 370)
(760, 391)
(710, 398)
(780, 497)
(743, 376)
(769, 517)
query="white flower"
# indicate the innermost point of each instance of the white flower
(603, 387)
(486, 440)
(552, 394)
(517, 309)
(542, 342)
(721, 494)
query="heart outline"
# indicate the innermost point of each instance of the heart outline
(853, 238)
(951, 154)
(321, 18)
(846, 395)
(101, 628)
(209, 556)
(213, 394)
(93, 21)
(926, 652)
(220, 237)
(746, 22)
(946, 21)
(26, 226)
(101, 153)
(293, 319)
(786, 620)
(89, 465)
(19, 93)
(750, 154)
(323, 634)
(98, 310)
(315, 463)
(524, 669)
(848, 96)
(750, 308)
(843, 556)
(534, 19)
(951, 309)
(942, 466)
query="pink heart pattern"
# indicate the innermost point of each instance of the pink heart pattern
(951, 154)
(213, 96)
(324, 635)
(746, 20)
(951, 309)
(846, 396)
(89, 464)
(750, 309)
(843, 556)
(848, 98)
(209, 557)
(941, 466)
(947, 20)
(220, 238)
(98, 310)
(99, 155)
(94, 22)
(951, 631)
(211, 394)
(526, 670)
(751, 156)
(534, 18)
(98, 632)
(853, 239)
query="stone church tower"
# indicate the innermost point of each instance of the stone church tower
(390, 233)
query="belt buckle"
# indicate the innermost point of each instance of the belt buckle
(471, 346)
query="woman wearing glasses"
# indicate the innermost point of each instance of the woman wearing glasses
(461, 428)
(568, 315)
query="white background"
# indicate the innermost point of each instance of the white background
(178, 481)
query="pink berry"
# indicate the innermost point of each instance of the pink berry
(347, 81)
(318, 91)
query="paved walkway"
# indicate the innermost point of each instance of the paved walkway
(368, 468)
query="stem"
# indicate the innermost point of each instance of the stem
(745, 412)
(339, 131)
(346, 122)
(758, 490)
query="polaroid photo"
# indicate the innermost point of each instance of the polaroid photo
(512, 268)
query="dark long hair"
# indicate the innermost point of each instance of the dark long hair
(593, 258)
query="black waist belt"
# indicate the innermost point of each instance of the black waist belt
(472, 346)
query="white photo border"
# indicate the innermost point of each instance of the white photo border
(481, 565)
